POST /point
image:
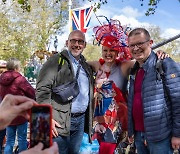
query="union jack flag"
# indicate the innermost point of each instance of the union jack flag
(81, 18)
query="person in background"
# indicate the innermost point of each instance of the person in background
(153, 109)
(12, 82)
(68, 117)
(13, 106)
(2, 135)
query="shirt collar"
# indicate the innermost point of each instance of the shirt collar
(72, 58)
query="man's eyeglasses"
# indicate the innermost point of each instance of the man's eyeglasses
(80, 42)
(140, 44)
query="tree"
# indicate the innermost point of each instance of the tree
(25, 4)
(92, 52)
(151, 10)
(171, 48)
(23, 32)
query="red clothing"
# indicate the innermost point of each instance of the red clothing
(110, 106)
(137, 102)
(12, 82)
(107, 148)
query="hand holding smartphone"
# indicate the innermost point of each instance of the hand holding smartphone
(41, 125)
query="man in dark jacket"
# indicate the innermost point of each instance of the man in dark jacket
(153, 119)
(68, 118)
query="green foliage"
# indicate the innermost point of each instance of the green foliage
(22, 32)
(25, 4)
(153, 4)
(172, 48)
(92, 52)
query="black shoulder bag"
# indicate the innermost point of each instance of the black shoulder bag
(69, 90)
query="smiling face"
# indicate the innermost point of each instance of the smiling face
(140, 47)
(109, 55)
(76, 43)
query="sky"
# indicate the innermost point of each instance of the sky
(131, 13)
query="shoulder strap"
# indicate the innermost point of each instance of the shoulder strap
(77, 73)
(60, 62)
(161, 76)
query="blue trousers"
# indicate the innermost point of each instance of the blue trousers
(160, 147)
(71, 144)
(2, 135)
(21, 136)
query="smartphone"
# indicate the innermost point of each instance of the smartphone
(41, 125)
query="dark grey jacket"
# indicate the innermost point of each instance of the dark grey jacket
(50, 77)
(161, 117)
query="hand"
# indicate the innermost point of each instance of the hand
(100, 128)
(38, 149)
(131, 139)
(175, 141)
(13, 106)
(145, 142)
(54, 125)
(161, 54)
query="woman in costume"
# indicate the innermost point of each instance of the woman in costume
(110, 115)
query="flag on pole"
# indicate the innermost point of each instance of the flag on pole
(81, 18)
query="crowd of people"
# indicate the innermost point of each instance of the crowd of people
(106, 107)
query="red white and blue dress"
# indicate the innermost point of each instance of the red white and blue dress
(110, 103)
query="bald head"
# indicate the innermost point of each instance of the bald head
(76, 43)
(77, 32)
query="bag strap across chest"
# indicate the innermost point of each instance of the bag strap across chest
(61, 63)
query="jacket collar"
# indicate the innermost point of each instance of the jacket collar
(149, 61)
(145, 66)
(66, 55)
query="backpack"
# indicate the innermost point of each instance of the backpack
(161, 76)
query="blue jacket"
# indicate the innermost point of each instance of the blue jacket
(161, 117)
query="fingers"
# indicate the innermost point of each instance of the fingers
(175, 141)
(25, 114)
(26, 105)
(52, 150)
(16, 99)
(175, 146)
(131, 139)
(54, 130)
(20, 103)
(103, 130)
(38, 147)
(100, 128)
(57, 124)
(162, 55)
(145, 142)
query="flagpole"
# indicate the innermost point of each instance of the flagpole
(70, 16)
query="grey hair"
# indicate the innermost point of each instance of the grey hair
(13, 64)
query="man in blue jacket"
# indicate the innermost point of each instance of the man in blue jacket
(153, 117)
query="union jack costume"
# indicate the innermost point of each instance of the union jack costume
(81, 18)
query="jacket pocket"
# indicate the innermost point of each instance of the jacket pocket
(61, 114)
